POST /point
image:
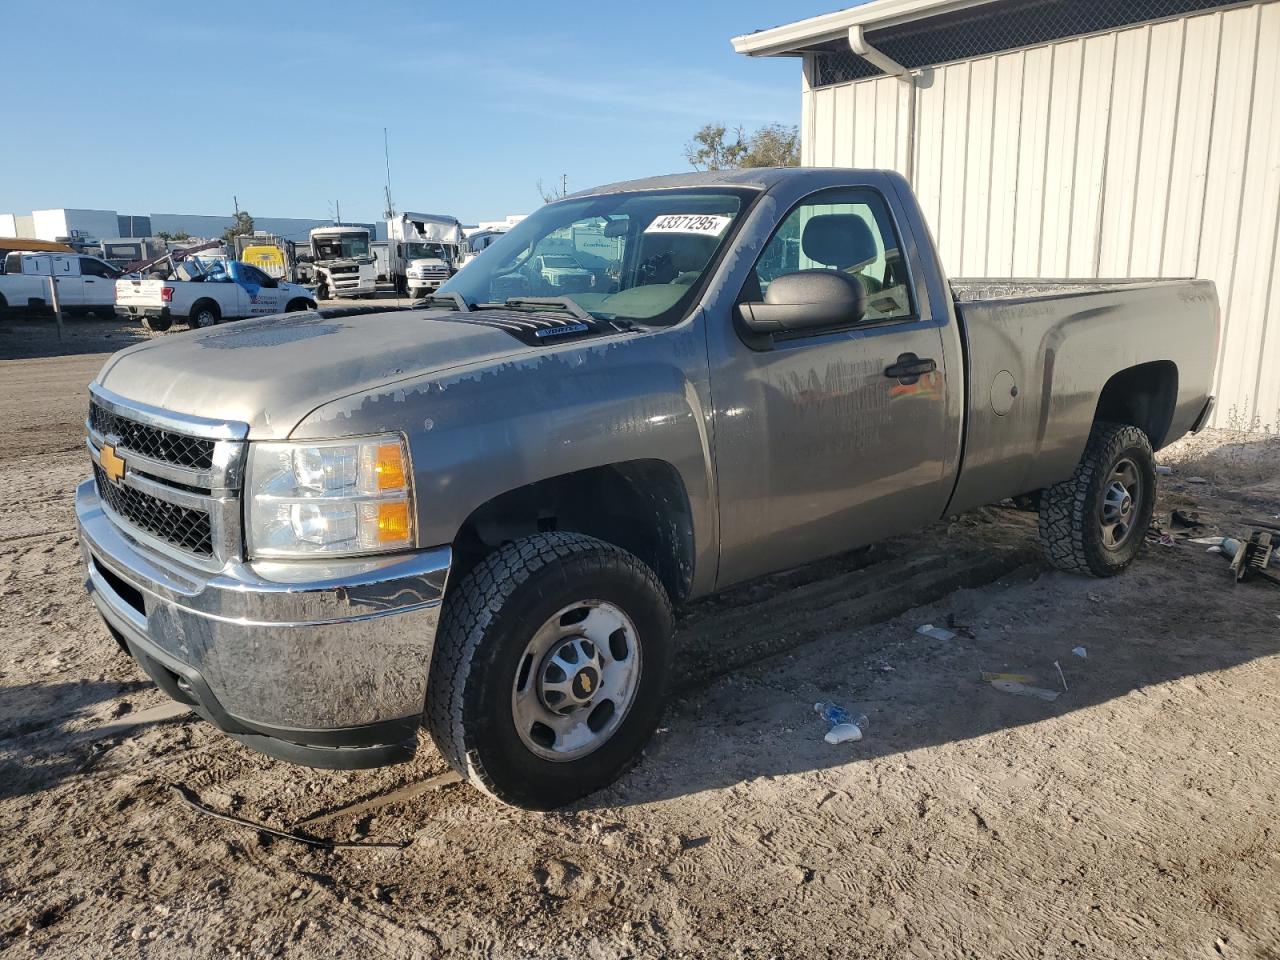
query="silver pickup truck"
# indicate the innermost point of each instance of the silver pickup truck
(325, 531)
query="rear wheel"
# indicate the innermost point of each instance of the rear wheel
(205, 314)
(1096, 521)
(549, 669)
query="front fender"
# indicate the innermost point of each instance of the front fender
(480, 430)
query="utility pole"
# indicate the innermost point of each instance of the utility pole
(564, 185)
(338, 204)
(386, 151)
(235, 201)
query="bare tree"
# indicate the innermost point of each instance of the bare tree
(555, 193)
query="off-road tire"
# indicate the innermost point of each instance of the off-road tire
(1070, 526)
(205, 313)
(157, 324)
(486, 623)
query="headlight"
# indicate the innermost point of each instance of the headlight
(329, 498)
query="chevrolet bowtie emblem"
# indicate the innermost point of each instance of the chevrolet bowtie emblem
(586, 683)
(112, 464)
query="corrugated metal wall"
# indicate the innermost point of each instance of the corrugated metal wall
(1148, 151)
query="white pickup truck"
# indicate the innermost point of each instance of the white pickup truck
(209, 293)
(85, 284)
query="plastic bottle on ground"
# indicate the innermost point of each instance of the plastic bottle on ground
(844, 726)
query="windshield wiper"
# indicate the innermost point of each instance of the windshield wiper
(449, 298)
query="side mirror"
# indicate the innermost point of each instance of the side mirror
(806, 300)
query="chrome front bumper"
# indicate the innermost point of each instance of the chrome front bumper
(321, 663)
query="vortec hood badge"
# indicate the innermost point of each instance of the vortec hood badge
(112, 464)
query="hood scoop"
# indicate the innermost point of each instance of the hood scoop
(535, 329)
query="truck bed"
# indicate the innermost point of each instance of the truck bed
(969, 289)
(1039, 354)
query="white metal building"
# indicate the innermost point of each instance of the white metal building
(63, 222)
(1078, 138)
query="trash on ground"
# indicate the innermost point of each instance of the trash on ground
(1061, 676)
(1163, 470)
(1009, 677)
(1186, 520)
(190, 799)
(843, 733)
(1197, 480)
(960, 628)
(938, 633)
(1080, 652)
(844, 726)
(1207, 541)
(1157, 536)
(1025, 690)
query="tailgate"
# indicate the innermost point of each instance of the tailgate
(139, 293)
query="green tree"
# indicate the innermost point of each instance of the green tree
(180, 235)
(243, 226)
(773, 145)
(711, 150)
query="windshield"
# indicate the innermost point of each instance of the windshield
(350, 247)
(635, 256)
(426, 251)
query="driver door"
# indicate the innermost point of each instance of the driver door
(819, 448)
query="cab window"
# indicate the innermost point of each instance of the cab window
(849, 230)
(96, 268)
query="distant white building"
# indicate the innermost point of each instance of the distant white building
(109, 225)
(75, 224)
(1071, 138)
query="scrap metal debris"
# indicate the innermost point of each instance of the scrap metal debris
(1251, 558)
(194, 803)
(1025, 690)
(399, 795)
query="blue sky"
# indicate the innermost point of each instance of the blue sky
(126, 106)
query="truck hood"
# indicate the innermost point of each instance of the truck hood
(271, 372)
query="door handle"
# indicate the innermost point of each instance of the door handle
(909, 368)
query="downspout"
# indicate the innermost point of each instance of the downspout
(859, 45)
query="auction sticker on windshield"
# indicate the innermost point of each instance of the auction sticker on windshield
(707, 225)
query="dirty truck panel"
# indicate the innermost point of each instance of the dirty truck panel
(323, 531)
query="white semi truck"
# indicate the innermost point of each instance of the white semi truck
(423, 251)
(342, 258)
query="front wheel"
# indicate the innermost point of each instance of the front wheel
(550, 668)
(1096, 521)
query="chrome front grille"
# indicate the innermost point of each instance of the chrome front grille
(178, 488)
(152, 442)
(186, 528)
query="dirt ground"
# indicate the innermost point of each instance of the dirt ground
(1134, 816)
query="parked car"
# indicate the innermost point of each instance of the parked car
(85, 284)
(207, 292)
(563, 273)
(322, 532)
